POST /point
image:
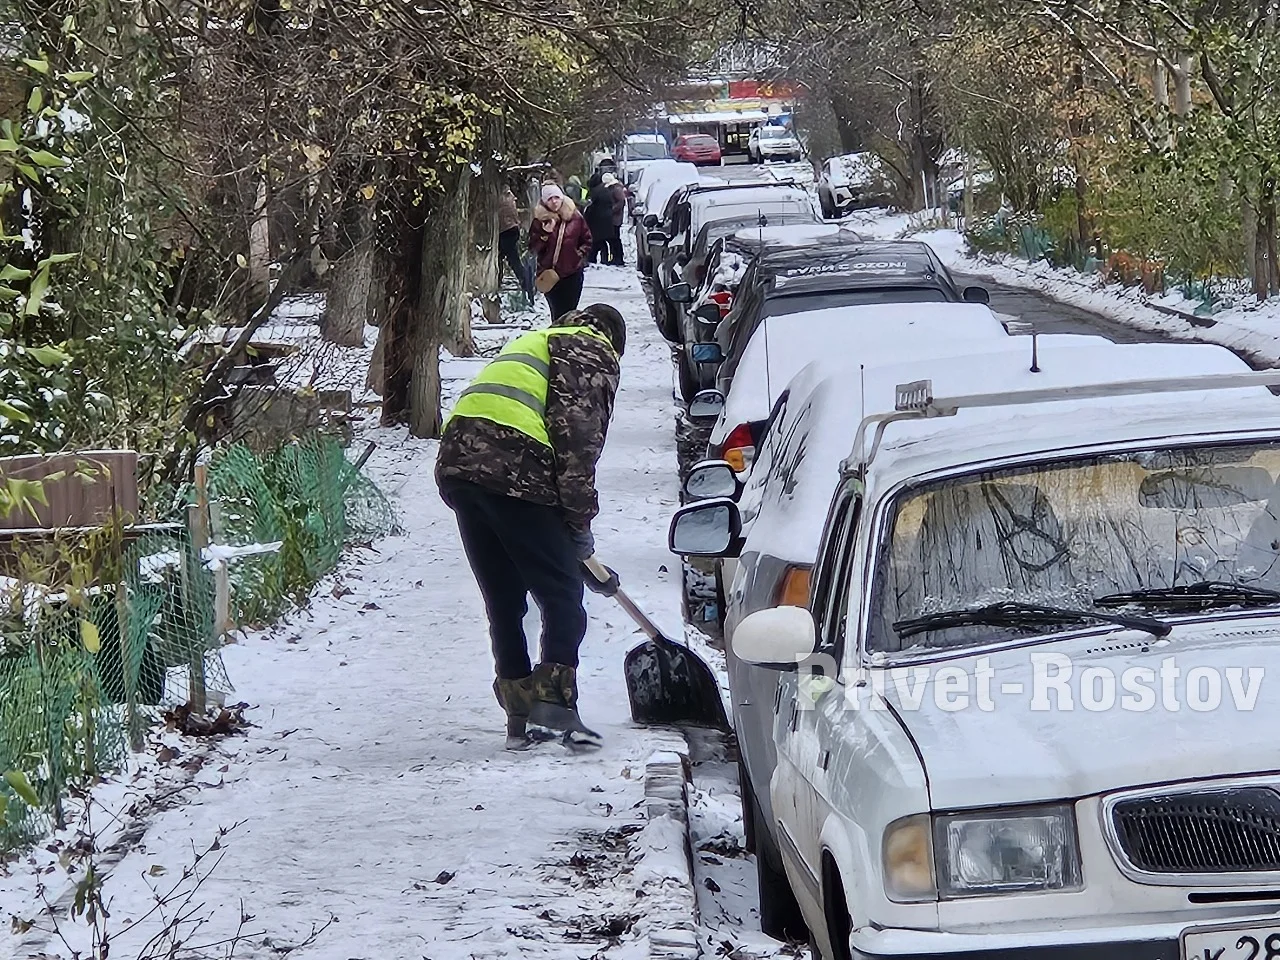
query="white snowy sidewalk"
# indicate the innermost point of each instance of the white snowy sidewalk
(375, 788)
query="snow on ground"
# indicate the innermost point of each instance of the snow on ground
(375, 811)
(1250, 329)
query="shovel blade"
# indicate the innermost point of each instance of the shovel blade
(668, 684)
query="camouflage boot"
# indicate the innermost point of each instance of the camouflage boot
(516, 697)
(555, 705)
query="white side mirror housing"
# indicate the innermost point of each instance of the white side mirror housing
(780, 637)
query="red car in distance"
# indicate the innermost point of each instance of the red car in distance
(699, 148)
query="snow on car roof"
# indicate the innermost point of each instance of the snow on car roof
(793, 519)
(859, 261)
(796, 236)
(665, 180)
(783, 345)
(748, 194)
(645, 138)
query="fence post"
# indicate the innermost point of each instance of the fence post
(198, 524)
(126, 658)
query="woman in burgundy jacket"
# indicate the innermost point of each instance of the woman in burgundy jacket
(561, 240)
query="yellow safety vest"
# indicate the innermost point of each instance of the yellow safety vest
(511, 390)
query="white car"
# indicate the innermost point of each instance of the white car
(1025, 711)
(849, 181)
(660, 181)
(781, 346)
(637, 152)
(771, 142)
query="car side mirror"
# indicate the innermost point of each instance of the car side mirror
(976, 295)
(708, 313)
(712, 479)
(779, 638)
(651, 220)
(680, 292)
(706, 405)
(710, 528)
(656, 238)
(706, 353)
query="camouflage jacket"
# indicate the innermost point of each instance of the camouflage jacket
(582, 385)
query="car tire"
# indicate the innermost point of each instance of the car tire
(835, 909)
(668, 322)
(780, 915)
(687, 376)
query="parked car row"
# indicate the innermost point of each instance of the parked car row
(990, 601)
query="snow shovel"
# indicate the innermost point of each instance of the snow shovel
(667, 683)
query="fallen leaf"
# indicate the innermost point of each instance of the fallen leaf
(157, 870)
(444, 877)
(711, 885)
(478, 806)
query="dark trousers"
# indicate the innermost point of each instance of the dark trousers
(599, 247)
(509, 253)
(565, 295)
(515, 549)
(614, 243)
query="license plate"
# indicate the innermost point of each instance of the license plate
(1254, 940)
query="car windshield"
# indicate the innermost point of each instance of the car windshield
(646, 151)
(773, 133)
(1156, 532)
(769, 209)
(699, 141)
(823, 300)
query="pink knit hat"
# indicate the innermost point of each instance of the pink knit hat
(550, 192)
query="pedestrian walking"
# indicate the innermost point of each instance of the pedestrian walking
(599, 214)
(614, 237)
(517, 465)
(509, 240)
(561, 241)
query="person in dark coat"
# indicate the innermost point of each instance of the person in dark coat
(599, 214)
(613, 239)
(561, 240)
(517, 465)
(509, 240)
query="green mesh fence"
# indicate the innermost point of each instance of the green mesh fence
(100, 631)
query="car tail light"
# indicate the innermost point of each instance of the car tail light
(724, 300)
(794, 589)
(740, 448)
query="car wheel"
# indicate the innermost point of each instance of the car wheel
(835, 908)
(687, 375)
(780, 915)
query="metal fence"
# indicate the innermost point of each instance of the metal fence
(101, 629)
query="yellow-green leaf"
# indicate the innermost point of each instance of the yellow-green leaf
(8, 146)
(241, 262)
(39, 66)
(8, 293)
(35, 296)
(28, 172)
(12, 413)
(48, 356)
(18, 782)
(10, 272)
(46, 159)
(56, 258)
(35, 102)
(90, 637)
(78, 76)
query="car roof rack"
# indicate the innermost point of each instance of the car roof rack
(915, 401)
(716, 187)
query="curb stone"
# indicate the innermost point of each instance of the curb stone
(664, 868)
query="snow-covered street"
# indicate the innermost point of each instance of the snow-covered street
(374, 788)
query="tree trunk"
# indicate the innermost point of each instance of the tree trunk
(1182, 85)
(485, 271)
(443, 315)
(259, 250)
(403, 292)
(347, 306)
(444, 267)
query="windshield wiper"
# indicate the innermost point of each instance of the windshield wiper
(1192, 597)
(1014, 613)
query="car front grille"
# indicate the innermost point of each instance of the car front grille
(1212, 831)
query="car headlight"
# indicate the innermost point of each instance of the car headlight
(907, 856)
(1009, 851)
